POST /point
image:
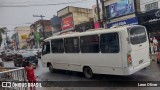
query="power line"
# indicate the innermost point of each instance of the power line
(15, 24)
(30, 5)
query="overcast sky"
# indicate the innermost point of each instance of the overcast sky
(12, 16)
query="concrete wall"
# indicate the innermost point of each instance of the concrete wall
(63, 11)
(80, 15)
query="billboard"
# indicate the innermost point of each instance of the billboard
(67, 23)
(123, 7)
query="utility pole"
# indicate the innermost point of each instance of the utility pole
(6, 30)
(6, 40)
(136, 10)
(98, 12)
(42, 24)
(103, 13)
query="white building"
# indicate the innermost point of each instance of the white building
(147, 5)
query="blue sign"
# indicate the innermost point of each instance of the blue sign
(120, 8)
(131, 21)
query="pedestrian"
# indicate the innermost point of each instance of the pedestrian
(30, 74)
(151, 45)
(15, 59)
(158, 56)
(155, 45)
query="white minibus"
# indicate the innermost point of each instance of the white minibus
(116, 51)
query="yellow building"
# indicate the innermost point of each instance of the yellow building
(23, 32)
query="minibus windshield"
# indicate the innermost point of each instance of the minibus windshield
(137, 35)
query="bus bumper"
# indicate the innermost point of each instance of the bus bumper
(131, 70)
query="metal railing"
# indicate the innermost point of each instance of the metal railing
(12, 75)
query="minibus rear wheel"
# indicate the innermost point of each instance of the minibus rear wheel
(88, 72)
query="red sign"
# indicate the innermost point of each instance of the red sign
(67, 23)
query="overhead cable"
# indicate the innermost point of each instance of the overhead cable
(31, 5)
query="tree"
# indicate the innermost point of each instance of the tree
(2, 30)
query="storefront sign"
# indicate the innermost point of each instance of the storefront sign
(123, 7)
(131, 21)
(67, 23)
(149, 17)
(154, 20)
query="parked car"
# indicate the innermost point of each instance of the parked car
(1, 63)
(36, 52)
(23, 58)
(21, 51)
(39, 52)
(7, 56)
(1, 52)
(33, 51)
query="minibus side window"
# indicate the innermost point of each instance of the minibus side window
(71, 45)
(137, 35)
(46, 48)
(89, 44)
(57, 46)
(109, 43)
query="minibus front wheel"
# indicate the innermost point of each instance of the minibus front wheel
(49, 65)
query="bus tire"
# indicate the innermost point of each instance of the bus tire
(88, 72)
(51, 68)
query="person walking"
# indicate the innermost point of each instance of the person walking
(155, 45)
(151, 46)
(30, 74)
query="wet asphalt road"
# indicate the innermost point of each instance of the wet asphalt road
(151, 73)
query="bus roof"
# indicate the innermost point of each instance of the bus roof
(90, 32)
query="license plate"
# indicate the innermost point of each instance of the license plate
(141, 61)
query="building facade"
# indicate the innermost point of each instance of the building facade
(40, 30)
(72, 16)
(121, 12)
(149, 17)
(56, 24)
(22, 33)
(148, 5)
